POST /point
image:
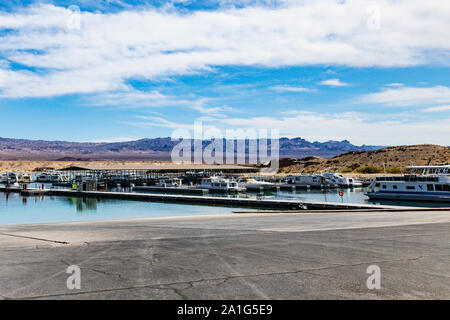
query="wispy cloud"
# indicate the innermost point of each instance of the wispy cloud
(132, 98)
(114, 139)
(408, 96)
(395, 84)
(437, 109)
(292, 89)
(370, 129)
(334, 83)
(110, 48)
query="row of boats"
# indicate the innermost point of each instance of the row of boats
(13, 178)
(220, 184)
(422, 183)
(326, 180)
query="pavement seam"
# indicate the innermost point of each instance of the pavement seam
(164, 286)
(33, 238)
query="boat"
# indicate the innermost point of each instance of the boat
(253, 184)
(9, 178)
(341, 181)
(422, 183)
(25, 178)
(220, 185)
(308, 181)
(170, 183)
(3, 178)
(50, 177)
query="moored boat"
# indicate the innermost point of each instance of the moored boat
(253, 184)
(341, 181)
(217, 184)
(309, 180)
(425, 183)
(170, 183)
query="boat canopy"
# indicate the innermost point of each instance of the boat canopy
(441, 169)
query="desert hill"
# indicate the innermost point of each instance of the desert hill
(394, 159)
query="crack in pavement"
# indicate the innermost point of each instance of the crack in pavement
(168, 286)
(61, 272)
(33, 238)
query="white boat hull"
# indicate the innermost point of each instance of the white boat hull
(411, 196)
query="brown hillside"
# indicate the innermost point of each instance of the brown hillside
(395, 159)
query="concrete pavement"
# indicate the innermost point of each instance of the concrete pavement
(242, 256)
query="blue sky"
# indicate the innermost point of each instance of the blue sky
(371, 73)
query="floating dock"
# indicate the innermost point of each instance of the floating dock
(265, 204)
(178, 190)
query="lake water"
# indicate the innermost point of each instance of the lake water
(15, 209)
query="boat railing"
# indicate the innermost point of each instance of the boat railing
(409, 178)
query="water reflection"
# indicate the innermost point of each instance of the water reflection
(83, 204)
(15, 208)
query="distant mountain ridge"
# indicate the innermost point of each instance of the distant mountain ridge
(150, 149)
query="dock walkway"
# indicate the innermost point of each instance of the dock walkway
(212, 200)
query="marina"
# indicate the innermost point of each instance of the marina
(290, 204)
(232, 191)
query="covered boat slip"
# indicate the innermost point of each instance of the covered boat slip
(156, 170)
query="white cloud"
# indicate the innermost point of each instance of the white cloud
(132, 98)
(111, 48)
(112, 140)
(334, 83)
(437, 109)
(291, 89)
(395, 84)
(408, 96)
(364, 129)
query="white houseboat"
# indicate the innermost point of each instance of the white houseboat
(309, 180)
(425, 183)
(341, 181)
(253, 184)
(170, 183)
(217, 184)
(51, 176)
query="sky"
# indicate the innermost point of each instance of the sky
(371, 72)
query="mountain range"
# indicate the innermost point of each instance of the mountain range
(151, 149)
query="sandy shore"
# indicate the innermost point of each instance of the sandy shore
(22, 166)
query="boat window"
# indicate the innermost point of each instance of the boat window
(446, 187)
(430, 187)
(438, 187)
(395, 186)
(377, 185)
(384, 186)
(410, 187)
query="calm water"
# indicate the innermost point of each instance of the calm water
(15, 209)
